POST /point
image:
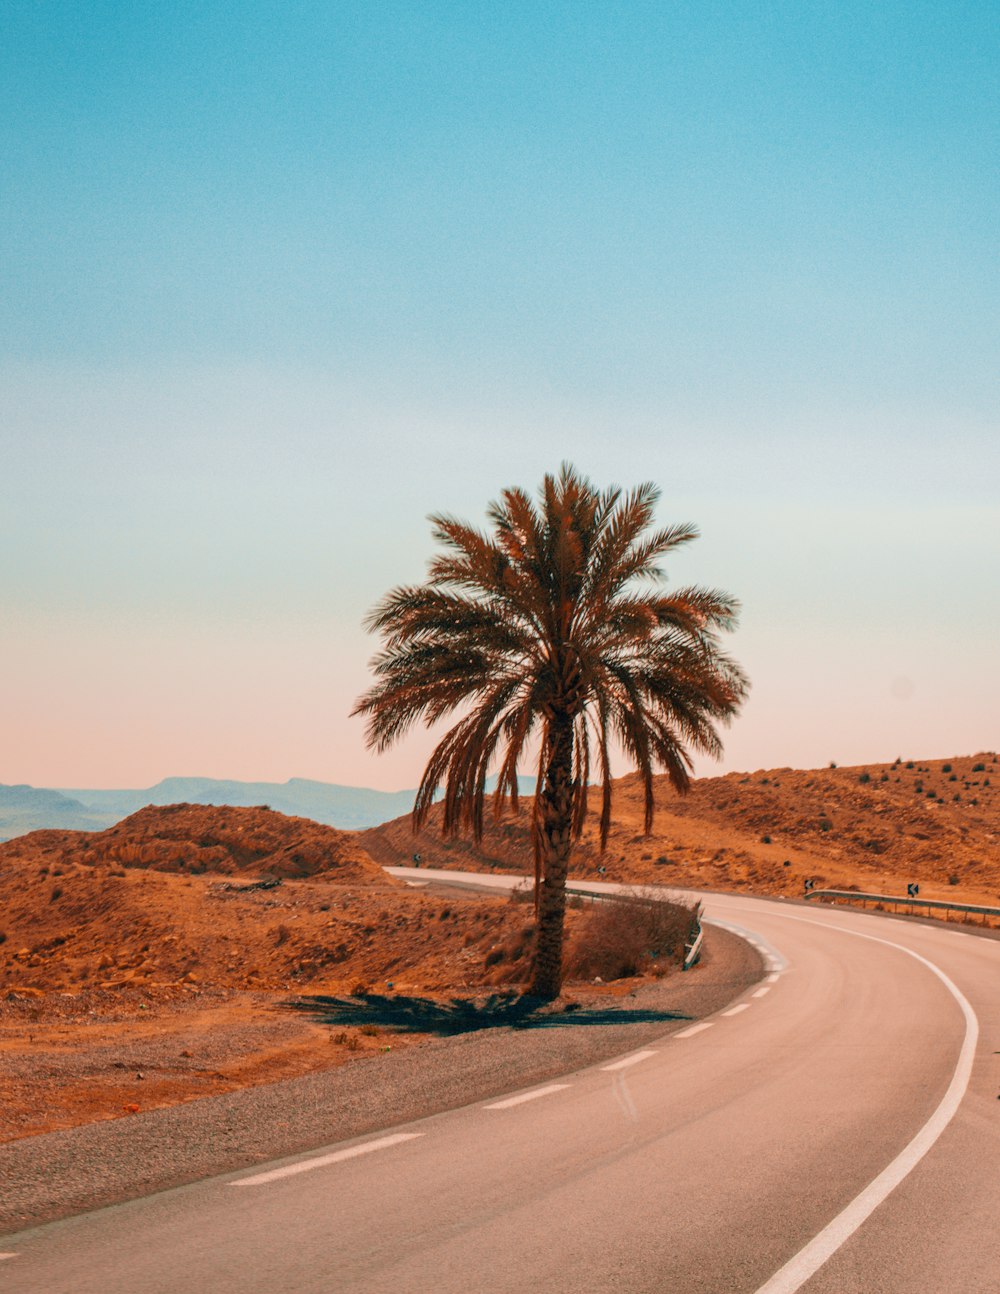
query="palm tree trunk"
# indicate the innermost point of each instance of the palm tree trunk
(555, 827)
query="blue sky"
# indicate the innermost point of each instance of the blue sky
(280, 280)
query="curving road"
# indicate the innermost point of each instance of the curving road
(836, 1129)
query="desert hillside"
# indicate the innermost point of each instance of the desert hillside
(873, 826)
(172, 898)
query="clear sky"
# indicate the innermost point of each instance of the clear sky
(278, 280)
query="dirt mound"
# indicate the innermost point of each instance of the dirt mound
(198, 838)
(873, 826)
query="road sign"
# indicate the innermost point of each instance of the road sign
(416, 860)
(810, 885)
(912, 890)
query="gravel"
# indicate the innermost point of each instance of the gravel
(61, 1173)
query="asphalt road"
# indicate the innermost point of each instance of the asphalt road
(835, 1129)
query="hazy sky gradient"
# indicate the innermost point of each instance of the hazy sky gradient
(280, 280)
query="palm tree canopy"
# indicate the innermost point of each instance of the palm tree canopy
(556, 616)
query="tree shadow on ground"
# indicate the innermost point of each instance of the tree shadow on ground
(466, 1015)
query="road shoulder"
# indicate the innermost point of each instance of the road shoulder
(80, 1169)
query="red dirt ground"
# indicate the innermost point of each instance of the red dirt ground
(136, 968)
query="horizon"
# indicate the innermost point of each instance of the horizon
(281, 284)
(401, 790)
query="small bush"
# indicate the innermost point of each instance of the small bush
(370, 1030)
(909, 763)
(765, 840)
(979, 768)
(56, 893)
(864, 778)
(945, 768)
(833, 763)
(825, 824)
(953, 879)
(281, 934)
(625, 936)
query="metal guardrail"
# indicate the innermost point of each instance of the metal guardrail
(904, 901)
(692, 951)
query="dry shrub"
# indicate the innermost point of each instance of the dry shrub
(510, 960)
(626, 936)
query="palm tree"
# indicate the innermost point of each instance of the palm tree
(543, 639)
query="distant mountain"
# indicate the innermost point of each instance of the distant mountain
(26, 808)
(351, 808)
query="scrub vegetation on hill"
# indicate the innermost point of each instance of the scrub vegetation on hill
(872, 826)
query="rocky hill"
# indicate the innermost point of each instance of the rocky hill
(196, 838)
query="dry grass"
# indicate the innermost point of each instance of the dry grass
(621, 937)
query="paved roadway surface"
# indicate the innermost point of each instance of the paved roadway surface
(836, 1130)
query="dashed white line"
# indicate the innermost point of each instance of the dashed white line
(629, 1060)
(3, 1256)
(761, 992)
(695, 1028)
(526, 1096)
(307, 1165)
(772, 979)
(735, 1010)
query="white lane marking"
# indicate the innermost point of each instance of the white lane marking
(629, 1060)
(526, 1096)
(735, 1010)
(3, 1256)
(808, 1260)
(772, 957)
(761, 992)
(772, 979)
(695, 1028)
(307, 1165)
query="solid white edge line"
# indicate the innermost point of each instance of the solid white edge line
(526, 1096)
(307, 1165)
(695, 1028)
(825, 1244)
(735, 1010)
(629, 1060)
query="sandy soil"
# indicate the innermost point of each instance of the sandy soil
(127, 983)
